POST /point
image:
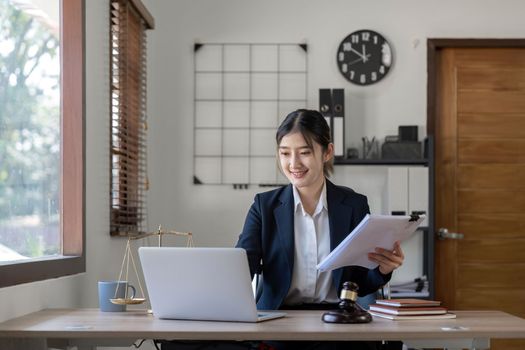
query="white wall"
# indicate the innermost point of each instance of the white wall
(215, 213)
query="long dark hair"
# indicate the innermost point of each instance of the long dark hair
(314, 128)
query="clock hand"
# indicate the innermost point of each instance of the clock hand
(364, 59)
(365, 56)
(355, 61)
(357, 53)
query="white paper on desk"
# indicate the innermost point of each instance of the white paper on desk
(373, 231)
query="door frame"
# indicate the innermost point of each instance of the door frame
(434, 48)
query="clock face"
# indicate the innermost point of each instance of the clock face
(364, 57)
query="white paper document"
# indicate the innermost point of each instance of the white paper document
(373, 231)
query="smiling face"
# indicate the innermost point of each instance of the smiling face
(301, 164)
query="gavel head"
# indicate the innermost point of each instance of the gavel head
(349, 291)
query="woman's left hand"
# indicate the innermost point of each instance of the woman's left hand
(388, 260)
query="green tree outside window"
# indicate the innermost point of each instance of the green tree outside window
(29, 133)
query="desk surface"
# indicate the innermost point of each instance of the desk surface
(305, 325)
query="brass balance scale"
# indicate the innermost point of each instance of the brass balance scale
(128, 256)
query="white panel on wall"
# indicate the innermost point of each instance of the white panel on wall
(236, 114)
(237, 58)
(208, 114)
(262, 142)
(235, 170)
(212, 146)
(208, 169)
(264, 58)
(208, 86)
(292, 86)
(292, 58)
(264, 86)
(263, 114)
(237, 86)
(236, 142)
(209, 59)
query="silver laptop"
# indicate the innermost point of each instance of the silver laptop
(201, 284)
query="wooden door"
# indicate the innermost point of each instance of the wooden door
(479, 182)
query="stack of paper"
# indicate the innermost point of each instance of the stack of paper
(410, 309)
(373, 231)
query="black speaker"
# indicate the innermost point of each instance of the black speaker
(325, 105)
(338, 122)
(338, 98)
(407, 133)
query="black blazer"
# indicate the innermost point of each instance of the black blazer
(268, 238)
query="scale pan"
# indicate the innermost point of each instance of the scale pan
(122, 301)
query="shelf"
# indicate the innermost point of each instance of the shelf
(345, 161)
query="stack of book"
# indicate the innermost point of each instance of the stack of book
(410, 309)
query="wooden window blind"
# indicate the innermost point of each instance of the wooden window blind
(129, 184)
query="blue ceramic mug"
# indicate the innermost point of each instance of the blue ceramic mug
(113, 290)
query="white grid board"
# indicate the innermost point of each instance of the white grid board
(242, 93)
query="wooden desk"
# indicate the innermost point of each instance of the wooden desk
(88, 327)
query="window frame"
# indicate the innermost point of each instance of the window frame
(72, 168)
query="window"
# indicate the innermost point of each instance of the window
(129, 22)
(41, 133)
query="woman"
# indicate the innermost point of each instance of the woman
(292, 228)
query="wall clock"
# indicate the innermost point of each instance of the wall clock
(364, 57)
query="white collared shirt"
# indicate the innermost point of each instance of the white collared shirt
(312, 244)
